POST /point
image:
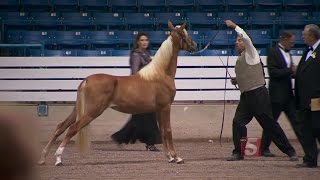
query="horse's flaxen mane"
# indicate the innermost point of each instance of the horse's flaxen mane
(156, 68)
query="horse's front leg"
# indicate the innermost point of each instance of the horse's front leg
(166, 133)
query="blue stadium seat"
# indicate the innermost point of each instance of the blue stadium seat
(152, 6)
(294, 19)
(260, 36)
(102, 39)
(76, 20)
(201, 20)
(161, 19)
(157, 37)
(262, 51)
(13, 37)
(240, 18)
(297, 51)
(37, 37)
(239, 5)
(210, 6)
(93, 5)
(46, 20)
(60, 53)
(263, 18)
(94, 53)
(9, 5)
(268, 5)
(65, 5)
(217, 52)
(139, 21)
(35, 52)
(18, 20)
(196, 36)
(120, 52)
(298, 5)
(315, 18)
(180, 5)
(36, 5)
(72, 39)
(221, 38)
(123, 5)
(108, 21)
(125, 39)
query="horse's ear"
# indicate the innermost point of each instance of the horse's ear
(183, 26)
(170, 25)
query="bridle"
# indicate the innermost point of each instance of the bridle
(181, 37)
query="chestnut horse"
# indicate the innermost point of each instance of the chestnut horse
(152, 89)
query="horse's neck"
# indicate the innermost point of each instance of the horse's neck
(172, 67)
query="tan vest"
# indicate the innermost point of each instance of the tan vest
(248, 76)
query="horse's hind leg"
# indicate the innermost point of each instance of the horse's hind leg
(62, 126)
(74, 128)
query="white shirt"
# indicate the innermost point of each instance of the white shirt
(314, 47)
(251, 53)
(286, 55)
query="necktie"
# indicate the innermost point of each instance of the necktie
(285, 50)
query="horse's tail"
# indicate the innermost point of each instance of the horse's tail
(83, 139)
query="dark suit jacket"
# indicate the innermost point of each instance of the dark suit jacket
(280, 85)
(307, 84)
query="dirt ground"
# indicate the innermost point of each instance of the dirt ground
(203, 160)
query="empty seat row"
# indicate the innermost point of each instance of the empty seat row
(156, 5)
(124, 39)
(155, 21)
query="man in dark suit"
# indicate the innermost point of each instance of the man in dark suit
(307, 91)
(281, 70)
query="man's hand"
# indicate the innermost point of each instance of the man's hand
(234, 81)
(231, 24)
(293, 70)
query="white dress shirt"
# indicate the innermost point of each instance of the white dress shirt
(251, 53)
(314, 47)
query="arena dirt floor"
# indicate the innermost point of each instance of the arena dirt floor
(203, 160)
(192, 126)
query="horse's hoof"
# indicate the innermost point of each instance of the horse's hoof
(171, 160)
(179, 160)
(41, 162)
(58, 163)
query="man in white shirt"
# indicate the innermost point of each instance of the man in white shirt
(254, 99)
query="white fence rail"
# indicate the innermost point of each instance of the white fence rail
(57, 78)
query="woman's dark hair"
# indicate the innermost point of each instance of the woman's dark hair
(135, 44)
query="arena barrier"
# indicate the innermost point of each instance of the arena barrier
(198, 78)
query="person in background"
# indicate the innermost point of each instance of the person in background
(281, 71)
(254, 98)
(307, 92)
(142, 127)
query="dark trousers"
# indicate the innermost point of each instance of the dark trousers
(310, 132)
(256, 103)
(290, 111)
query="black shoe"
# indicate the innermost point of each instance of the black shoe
(267, 153)
(235, 157)
(151, 148)
(293, 157)
(305, 165)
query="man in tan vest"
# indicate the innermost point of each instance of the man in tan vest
(254, 98)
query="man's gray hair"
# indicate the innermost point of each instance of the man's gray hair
(313, 30)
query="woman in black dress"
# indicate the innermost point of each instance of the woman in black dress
(142, 127)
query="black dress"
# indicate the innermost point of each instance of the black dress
(142, 127)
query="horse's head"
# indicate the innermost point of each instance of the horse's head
(180, 36)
